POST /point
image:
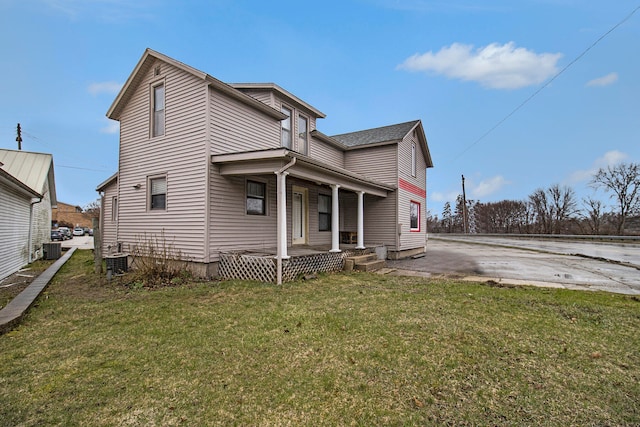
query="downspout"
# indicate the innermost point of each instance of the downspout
(281, 227)
(31, 226)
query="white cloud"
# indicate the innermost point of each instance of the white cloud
(111, 127)
(494, 66)
(487, 187)
(104, 87)
(450, 197)
(610, 158)
(607, 80)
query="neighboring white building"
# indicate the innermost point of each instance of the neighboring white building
(27, 194)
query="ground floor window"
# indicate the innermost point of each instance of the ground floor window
(324, 212)
(256, 198)
(414, 216)
(158, 193)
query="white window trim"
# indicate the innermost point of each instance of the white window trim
(291, 126)
(152, 88)
(305, 149)
(413, 159)
(114, 208)
(266, 196)
(166, 193)
(329, 212)
(411, 203)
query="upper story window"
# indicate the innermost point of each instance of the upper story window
(413, 159)
(256, 198)
(158, 193)
(157, 117)
(286, 128)
(303, 135)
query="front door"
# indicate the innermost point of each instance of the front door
(299, 216)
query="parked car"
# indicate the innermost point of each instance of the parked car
(86, 231)
(56, 235)
(66, 232)
(78, 231)
(91, 232)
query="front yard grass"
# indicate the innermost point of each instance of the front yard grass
(345, 349)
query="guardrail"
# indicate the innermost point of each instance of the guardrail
(541, 236)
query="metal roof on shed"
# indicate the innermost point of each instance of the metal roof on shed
(32, 169)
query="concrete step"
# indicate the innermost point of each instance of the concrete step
(370, 265)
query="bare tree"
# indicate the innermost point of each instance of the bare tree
(593, 215)
(553, 208)
(542, 211)
(623, 180)
(563, 206)
(93, 209)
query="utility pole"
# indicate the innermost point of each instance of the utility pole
(19, 137)
(464, 208)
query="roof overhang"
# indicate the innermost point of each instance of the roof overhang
(106, 183)
(269, 161)
(146, 62)
(18, 185)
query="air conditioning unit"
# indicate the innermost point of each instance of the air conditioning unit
(51, 250)
(118, 264)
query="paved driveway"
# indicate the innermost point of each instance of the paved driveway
(80, 242)
(571, 265)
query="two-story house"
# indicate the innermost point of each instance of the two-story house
(219, 167)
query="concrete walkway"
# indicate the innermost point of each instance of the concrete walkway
(11, 314)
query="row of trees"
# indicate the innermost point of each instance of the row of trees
(553, 210)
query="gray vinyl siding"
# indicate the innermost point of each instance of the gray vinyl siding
(236, 127)
(380, 219)
(14, 229)
(231, 227)
(380, 214)
(41, 223)
(326, 153)
(378, 163)
(411, 239)
(109, 224)
(262, 96)
(180, 155)
(348, 211)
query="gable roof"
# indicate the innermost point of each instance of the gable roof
(384, 135)
(31, 169)
(288, 96)
(147, 60)
(392, 133)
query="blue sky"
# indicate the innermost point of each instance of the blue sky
(461, 66)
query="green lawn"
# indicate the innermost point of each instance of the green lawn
(345, 349)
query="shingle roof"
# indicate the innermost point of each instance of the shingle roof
(377, 135)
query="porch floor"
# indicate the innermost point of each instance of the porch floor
(298, 250)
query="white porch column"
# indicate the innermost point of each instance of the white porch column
(360, 220)
(281, 250)
(335, 219)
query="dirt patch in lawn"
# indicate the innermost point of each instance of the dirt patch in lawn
(12, 285)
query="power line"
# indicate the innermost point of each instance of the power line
(84, 169)
(523, 103)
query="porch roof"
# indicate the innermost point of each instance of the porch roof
(270, 161)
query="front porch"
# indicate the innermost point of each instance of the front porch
(261, 265)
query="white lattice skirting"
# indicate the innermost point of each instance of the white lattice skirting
(243, 266)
